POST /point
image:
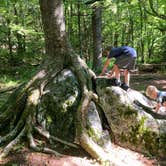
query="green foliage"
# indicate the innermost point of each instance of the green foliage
(127, 23)
(7, 81)
(132, 23)
(94, 134)
(20, 31)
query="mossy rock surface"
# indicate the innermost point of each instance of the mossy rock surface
(61, 99)
(132, 126)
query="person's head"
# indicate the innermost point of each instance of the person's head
(151, 92)
(106, 51)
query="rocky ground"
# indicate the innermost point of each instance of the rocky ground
(141, 80)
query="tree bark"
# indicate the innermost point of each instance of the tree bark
(97, 38)
(28, 106)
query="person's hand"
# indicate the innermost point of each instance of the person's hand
(111, 74)
(101, 74)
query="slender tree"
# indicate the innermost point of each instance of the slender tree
(97, 38)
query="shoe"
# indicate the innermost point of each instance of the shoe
(117, 82)
(125, 86)
(114, 82)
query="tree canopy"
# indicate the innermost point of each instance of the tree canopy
(140, 24)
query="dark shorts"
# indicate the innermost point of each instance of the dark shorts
(125, 62)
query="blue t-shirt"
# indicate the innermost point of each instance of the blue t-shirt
(122, 51)
(161, 96)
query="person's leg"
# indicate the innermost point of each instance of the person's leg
(117, 72)
(127, 77)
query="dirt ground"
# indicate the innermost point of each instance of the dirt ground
(80, 157)
(142, 80)
(125, 156)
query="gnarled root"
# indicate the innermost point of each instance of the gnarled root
(13, 143)
(41, 149)
(26, 125)
(47, 135)
(97, 152)
(85, 140)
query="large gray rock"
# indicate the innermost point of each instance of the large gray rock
(132, 124)
(59, 105)
(94, 128)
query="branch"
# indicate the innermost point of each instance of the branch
(154, 12)
(4, 90)
(150, 110)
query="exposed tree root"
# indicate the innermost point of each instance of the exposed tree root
(84, 139)
(17, 98)
(16, 130)
(21, 127)
(83, 73)
(12, 110)
(92, 148)
(85, 79)
(13, 143)
(8, 89)
(47, 135)
(41, 149)
(97, 152)
(150, 111)
(25, 124)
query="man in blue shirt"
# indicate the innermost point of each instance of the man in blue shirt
(125, 58)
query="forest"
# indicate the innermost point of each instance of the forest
(52, 52)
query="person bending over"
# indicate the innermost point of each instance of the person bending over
(125, 58)
(160, 96)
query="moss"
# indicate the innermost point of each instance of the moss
(59, 105)
(123, 137)
(162, 145)
(151, 142)
(129, 112)
(96, 136)
(141, 136)
(92, 133)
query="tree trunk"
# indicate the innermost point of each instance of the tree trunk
(79, 29)
(141, 35)
(97, 39)
(32, 107)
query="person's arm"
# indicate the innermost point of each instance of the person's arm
(105, 66)
(111, 74)
(158, 107)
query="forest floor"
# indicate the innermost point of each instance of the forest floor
(79, 157)
(141, 80)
